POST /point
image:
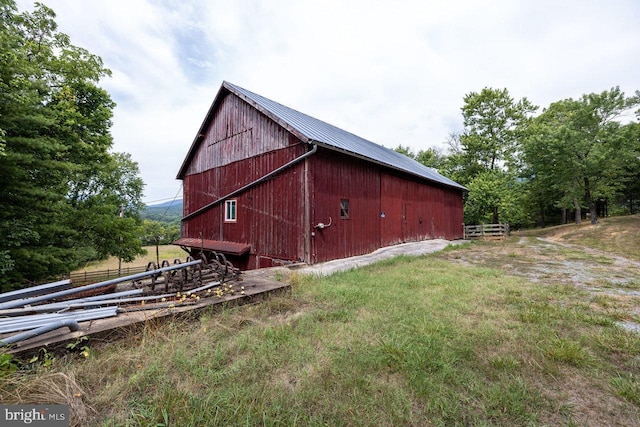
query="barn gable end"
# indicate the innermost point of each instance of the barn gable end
(237, 132)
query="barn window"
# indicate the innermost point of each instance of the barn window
(230, 210)
(344, 208)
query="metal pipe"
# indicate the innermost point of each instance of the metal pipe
(104, 299)
(47, 316)
(69, 304)
(251, 184)
(24, 323)
(114, 295)
(113, 301)
(35, 290)
(204, 287)
(35, 300)
(71, 324)
(80, 303)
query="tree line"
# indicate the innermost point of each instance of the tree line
(578, 156)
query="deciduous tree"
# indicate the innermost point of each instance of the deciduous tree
(430, 157)
(61, 187)
(494, 191)
(488, 151)
(493, 123)
(579, 148)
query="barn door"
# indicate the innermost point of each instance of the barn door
(406, 209)
(409, 223)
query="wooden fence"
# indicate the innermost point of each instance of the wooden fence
(86, 277)
(486, 231)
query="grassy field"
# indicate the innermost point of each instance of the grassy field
(168, 252)
(409, 341)
(618, 235)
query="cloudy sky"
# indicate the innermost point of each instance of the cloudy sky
(394, 72)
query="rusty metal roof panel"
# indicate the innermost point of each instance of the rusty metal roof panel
(325, 134)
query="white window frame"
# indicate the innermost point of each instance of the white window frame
(231, 210)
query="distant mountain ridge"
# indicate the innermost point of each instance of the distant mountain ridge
(171, 203)
(169, 212)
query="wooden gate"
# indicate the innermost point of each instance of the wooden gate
(486, 232)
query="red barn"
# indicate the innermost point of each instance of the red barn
(268, 185)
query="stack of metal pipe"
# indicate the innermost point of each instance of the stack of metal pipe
(40, 309)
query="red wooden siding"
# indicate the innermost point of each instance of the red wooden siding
(385, 208)
(416, 211)
(277, 211)
(272, 224)
(336, 177)
(238, 132)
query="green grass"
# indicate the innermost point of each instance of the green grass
(627, 386)
(408, 341)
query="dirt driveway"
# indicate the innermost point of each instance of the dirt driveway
(610, 282)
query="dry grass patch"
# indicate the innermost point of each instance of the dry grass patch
(617, 235)
(166, 252)
(59, 388)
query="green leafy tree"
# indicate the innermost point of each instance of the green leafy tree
(153, 232)
(107, 208)
(488, 151)
(493, 123)
(579, 149)
(629, 195)
(61, 187)
(159, 232)
(430, 157)
(406, 150)
(453, 162)
(495, 190)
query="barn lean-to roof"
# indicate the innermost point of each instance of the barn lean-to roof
(314, 131)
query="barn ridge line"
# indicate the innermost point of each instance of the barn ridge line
(317, 132)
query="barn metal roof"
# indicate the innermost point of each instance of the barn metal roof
(326, 135)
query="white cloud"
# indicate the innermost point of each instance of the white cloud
(392, 72)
